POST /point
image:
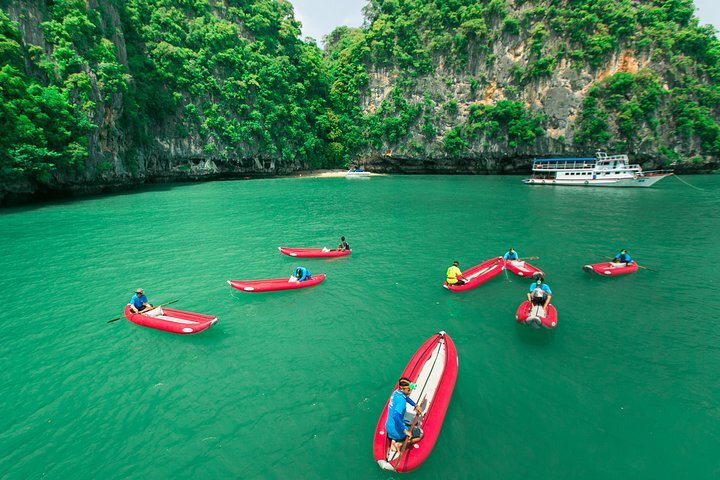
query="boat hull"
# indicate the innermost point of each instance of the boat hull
(478, 274)
(528, 315)
(433, 368)
(171, 320)
(522, 269)
(274, 284)
(606, 269)
(644, 181)
(362, 174)
(312, 252)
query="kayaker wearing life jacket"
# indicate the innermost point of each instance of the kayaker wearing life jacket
(343, 245)
(301, 274)
(139, 302)
(395, 426)
(454, 275)
(540, 293)
(511, 255)
(623, 257)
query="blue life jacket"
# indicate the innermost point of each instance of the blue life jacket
(302, 274)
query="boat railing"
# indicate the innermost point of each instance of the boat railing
(613, 158)
(623, 166)
(566, 165)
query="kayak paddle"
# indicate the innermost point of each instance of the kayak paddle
(412, 426)
(639, 266)
(158, 306)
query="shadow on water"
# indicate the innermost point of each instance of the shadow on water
(24, 204)
(536, 337)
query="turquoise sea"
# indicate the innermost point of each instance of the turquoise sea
(290, 384)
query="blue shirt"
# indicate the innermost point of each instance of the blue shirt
(544, 287)
(395, 423)
(623, 258)
(304, 274)
(138, 302)
(511, 256)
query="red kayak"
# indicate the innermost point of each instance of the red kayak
(523, 269)
(171, 320)
(273, 284)
(536, 316)
(312, 252)
(433, 369)
(609, 269)
(479, 274)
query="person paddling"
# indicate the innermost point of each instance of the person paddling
(623, 257)
(343, 245)
(139, 302)
(454, 275)
(511, 255)
(540, 293)
(395, 425)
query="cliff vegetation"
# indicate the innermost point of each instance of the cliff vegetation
(104, 93)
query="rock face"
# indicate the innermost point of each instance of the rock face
(164, 91)
(499, 83)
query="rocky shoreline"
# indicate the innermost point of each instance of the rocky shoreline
(29, 192)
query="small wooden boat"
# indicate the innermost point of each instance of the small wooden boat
(611, 269)
(522, 268)
(274, 284)
(433, 368)
(478, 274)
(171, 320)
(536, 316)
(312, 252)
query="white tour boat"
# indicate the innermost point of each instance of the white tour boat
(602, 171)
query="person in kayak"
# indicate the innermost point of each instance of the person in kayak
(300, 275)
(511, 255)
(343, 245)
(540, 293)
(395, 426)
(454, 275)
(623, 257)
(139, 302)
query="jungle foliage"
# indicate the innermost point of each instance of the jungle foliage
(236, 75)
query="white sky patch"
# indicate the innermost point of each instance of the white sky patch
(708, 11)
(320, 17)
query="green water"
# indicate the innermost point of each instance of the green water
(290, 384)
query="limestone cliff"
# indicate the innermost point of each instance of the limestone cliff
(482, 87)
(104, 94)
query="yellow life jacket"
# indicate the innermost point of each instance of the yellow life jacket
(452, 274)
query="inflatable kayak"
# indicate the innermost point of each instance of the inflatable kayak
(522, 269)
(312, 252)
(273, 284)
(171, 320)
(536, 316)
(479, 274)
(609, 269)
(433, 368)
